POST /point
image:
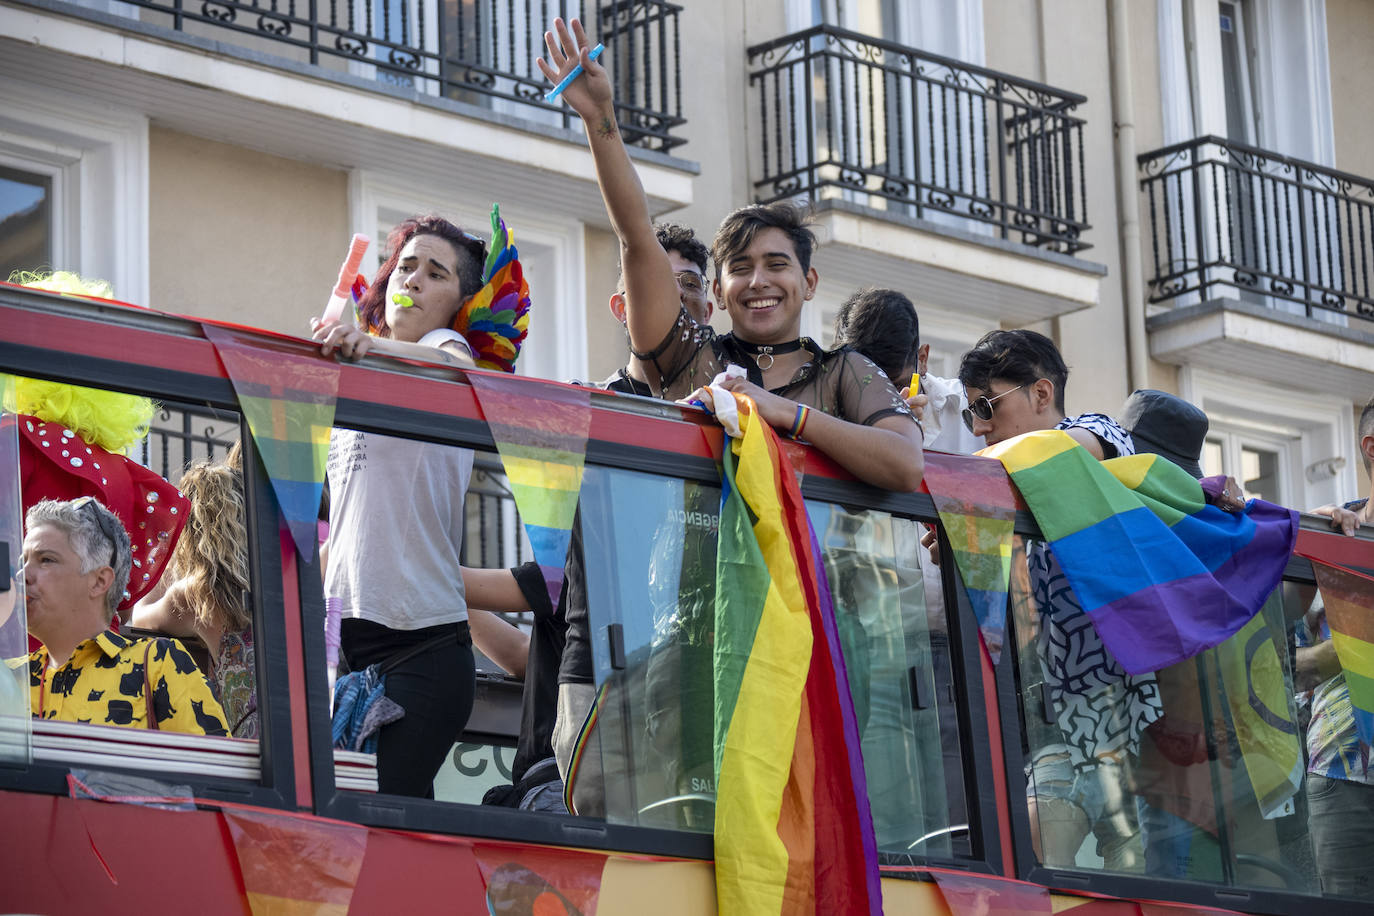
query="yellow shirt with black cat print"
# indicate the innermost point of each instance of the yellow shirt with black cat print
(103, 684)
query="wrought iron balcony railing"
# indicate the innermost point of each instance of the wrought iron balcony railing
(842, 113)
(1225, 214)
(477, 51)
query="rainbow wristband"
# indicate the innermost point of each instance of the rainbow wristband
(800, 422)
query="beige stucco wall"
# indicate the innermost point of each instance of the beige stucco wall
(1350, 44)
(1064, 43)
(240, 235)
(606, 347)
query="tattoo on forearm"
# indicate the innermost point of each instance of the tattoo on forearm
(606, 129)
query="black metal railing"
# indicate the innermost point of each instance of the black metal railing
(182, 434)
(1226, 214)
(477, 51)
(919, 133)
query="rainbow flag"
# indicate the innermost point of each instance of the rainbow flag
(288, 400)
(793, 830)
(977, 508)
(1349, 600)
(1161, 574)
(541, 435)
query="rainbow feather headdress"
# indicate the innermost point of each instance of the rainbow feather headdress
(495, 320)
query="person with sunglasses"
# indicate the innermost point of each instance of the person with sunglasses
(1015, 383)
(76, 559)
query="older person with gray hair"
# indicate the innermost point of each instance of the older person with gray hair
(76, 564)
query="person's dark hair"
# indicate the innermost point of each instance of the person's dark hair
(674, 237)
(1020, 356)
(882, 325)
(1367, 429)
(470, 250)
(737, 230)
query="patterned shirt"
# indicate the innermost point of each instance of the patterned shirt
(1334, 749)
(103, 684)
(1099, 708)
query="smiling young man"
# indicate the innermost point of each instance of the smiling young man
(839, 402)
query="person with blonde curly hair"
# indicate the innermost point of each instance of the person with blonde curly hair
(208, 587)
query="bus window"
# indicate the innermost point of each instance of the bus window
(15, 726)
(1197, 772)
(650, 547)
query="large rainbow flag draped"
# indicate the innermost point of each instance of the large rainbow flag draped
(793, 829)
(1161, 573)
(977, 508)
(288, 400)
(541, 435)
(1349, 600)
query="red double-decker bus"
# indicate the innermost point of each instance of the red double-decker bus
(973, 794)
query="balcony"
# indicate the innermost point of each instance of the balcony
(1261, 260)
(956, 180)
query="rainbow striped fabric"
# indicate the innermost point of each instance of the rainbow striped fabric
(1161, 573)
(541, 435)
(977, 508)
(793, 829)
(288, 400)
(1349, 600)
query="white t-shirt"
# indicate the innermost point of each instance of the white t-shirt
(396, 528)
(440, 336)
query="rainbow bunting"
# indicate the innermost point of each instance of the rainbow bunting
(541, 434)
(288, 400)
(1162, 574)
(977, 507)
(1349, 600)
(291, 865)
(793, 829)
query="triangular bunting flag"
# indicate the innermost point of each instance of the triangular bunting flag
(983, 895)
(977, 506)
(288, 400)
(541, 434)
(1349, 600)
(291, 865)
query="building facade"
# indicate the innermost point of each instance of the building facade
(1177, 191)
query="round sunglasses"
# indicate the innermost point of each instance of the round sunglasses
(982, 407)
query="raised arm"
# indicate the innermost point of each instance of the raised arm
(651, 291)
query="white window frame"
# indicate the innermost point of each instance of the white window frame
(557, 344)
(97, 157)
(1319, 428)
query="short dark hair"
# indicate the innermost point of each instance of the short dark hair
(470, 250)
(674, 237)
(1019, 356)
(882, 325)
(1366, 429)
(737, 230)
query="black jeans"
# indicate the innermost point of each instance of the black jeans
(434, 686)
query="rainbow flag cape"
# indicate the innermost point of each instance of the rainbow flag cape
(1349, 600)
(793, 829)
(977, 507)
(1162, 574)
(288, 400)
(541, 435)
(1259, 698)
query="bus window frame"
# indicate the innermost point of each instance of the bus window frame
(453, 423)
(24, 352)
(1314, 531)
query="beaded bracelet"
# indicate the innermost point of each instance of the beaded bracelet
(800, 422)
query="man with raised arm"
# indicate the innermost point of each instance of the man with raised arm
(839, 401)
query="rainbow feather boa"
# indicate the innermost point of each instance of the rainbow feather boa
(496, 319)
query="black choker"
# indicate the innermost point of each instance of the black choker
(760, 352)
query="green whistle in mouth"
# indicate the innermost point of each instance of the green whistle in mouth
(403, 300)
